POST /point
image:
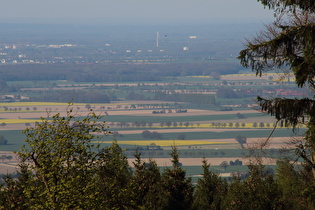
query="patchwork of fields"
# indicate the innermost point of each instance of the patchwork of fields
(201, 130)
(209, 134)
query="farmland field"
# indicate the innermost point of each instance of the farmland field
(203, 130)
(202, 139)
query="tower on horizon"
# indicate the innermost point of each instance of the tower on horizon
(157, 39)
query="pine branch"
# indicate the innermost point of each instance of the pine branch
(288, 111)
(293, 46)
(307, 5)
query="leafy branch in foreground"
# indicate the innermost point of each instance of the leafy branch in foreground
(61, 156)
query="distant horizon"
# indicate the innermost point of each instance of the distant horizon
(135, 21)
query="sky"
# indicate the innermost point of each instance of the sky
(141, 10)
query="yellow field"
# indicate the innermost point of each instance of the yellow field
(164, 143)
(16, 121)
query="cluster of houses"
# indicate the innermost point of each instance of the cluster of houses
(12, 98)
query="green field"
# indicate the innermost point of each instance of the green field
(15, 140)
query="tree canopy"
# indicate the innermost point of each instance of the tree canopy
(288, 44)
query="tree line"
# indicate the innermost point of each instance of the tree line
(76, 96)
(112, 72)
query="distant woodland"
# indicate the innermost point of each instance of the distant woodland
(112, 72)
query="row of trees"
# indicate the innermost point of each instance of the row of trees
(143, 124)
(238, 125)
(174, 124)
(15, 109)
(61, 168)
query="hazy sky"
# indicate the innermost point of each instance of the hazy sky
(211, 10)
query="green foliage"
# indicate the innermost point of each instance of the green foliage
(226, 93)
(288, 43)
(64, 160)
(13, 195)
(177, 188)
(151, 135)
(147, 187)
(210, 190)
(241, 139)
(258, 191)
(113, 180)
(288, 111)
(291, 185)
(237, 162)
(224, 165)
(307, 5)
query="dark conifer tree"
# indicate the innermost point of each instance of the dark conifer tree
(177, 188)
(210, 190)
(291, 184)
(114, 180)
(148, 193)
(259, 191)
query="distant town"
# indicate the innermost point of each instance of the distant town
(122, 45)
